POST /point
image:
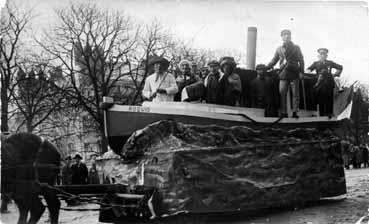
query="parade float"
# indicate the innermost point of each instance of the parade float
(193, 158)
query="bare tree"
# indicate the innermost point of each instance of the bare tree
(91, 45)
(14, 23)
(36, 96)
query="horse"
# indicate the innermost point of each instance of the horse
(29, 167)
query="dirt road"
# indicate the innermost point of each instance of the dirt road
(345, 211)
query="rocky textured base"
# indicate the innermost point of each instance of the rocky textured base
(215, 169)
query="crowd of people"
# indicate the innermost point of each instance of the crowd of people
(75, 172)
(219, 82)
(355, 156)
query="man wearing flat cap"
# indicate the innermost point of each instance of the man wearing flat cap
(230, 87)
(212, 82)
(160, 86)
(324, 87)
(291, 64)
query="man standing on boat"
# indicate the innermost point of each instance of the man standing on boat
(160, 86)
(190, 85)
(291, 63)
(212, 82)
(230, 87)
(258, 87)
(325, 84)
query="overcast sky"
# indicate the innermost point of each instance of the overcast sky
(340, 26)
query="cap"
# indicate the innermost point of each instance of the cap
(322, 49)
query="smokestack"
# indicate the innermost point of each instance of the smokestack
(251, 48)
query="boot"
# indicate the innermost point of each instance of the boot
(294, 115)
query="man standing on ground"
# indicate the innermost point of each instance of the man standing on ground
(291, 63)
(67, 171)
(79, 171)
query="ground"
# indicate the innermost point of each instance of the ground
(351, 209)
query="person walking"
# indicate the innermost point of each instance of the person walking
(291, 63)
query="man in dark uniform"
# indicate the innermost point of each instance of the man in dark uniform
(79, 171)
(324, 87)
(212, 81)
(291, 64)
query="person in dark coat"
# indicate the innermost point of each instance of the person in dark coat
(325, 84)
(364, 154)
(204, 73)
(291, 63)
(264, 91)
(230, 87)
(93, 175)
(258, 87)
(67, 171)
(79, 171)
(212, 82)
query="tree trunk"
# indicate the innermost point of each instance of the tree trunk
(4, 110)
(29, 128)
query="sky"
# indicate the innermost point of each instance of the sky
(341, 26)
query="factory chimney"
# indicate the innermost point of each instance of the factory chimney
(251, 47)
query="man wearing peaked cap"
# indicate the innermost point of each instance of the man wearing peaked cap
(161, 85)
(323, 50)
(324, 87)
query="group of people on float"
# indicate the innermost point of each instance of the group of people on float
(222, 85)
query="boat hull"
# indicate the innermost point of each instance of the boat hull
(122, 121)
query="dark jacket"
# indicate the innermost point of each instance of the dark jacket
(183, 81)
(290, 59)
(93, 177)
(258, 92)
(324, 71)
(66, 174)
(230, 89)
(79, 173)
(212, 88)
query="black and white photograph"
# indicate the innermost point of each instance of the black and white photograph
(184, 111)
